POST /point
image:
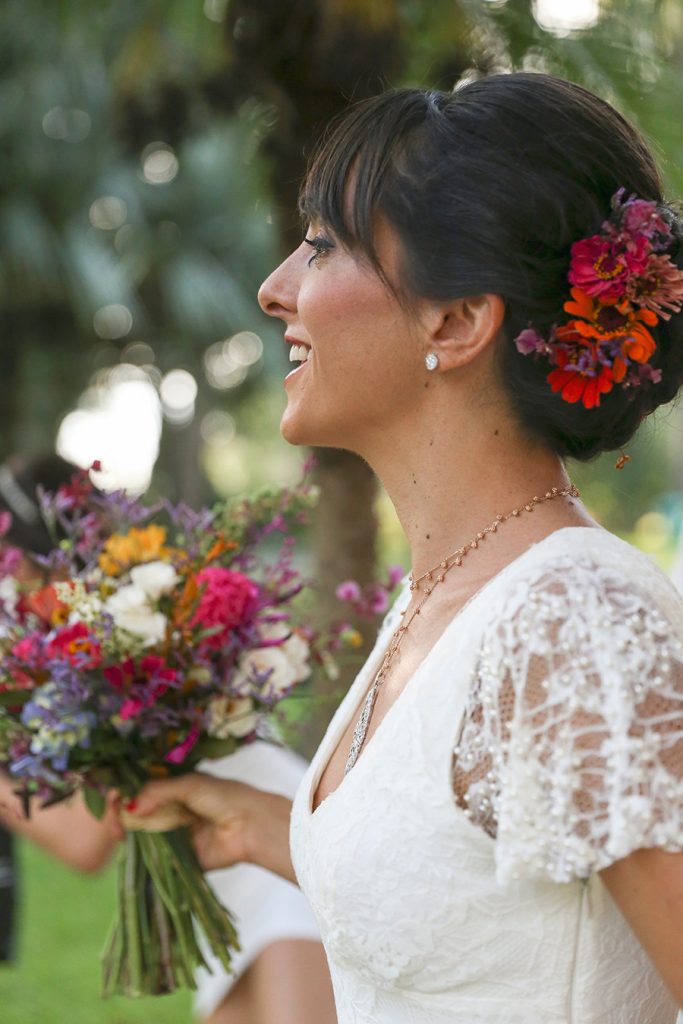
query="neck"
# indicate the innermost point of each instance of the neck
(446, 492)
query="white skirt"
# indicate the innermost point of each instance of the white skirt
(266, 908)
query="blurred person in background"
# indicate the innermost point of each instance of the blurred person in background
(67, 830)
(280, 972)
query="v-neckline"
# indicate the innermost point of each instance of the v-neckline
(332, 740)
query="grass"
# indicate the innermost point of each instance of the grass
(64, 921)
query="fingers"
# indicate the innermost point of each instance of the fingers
(164, 819)
(112, 816)
(216, 810)
(9, 812)
(162, 793)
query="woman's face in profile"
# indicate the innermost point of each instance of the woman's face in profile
(359, 360)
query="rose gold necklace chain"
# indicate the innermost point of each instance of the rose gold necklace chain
(435, 576)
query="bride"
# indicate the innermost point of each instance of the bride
(492, 829)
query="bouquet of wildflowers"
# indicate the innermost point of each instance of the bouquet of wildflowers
(162, 637)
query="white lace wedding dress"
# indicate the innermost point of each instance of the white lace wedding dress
(553, 706)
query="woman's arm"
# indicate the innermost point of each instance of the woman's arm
(66, 830)
(231, 822)
(647, 886)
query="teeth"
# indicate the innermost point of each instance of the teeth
(298, 353)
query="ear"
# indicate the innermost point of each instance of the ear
(466, 328)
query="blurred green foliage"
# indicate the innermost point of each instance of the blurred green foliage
(64, 923)
(209, 93)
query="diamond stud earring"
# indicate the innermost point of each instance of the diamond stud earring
(431, 361)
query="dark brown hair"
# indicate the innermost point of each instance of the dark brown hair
(488, 187)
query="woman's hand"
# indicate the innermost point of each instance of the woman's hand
(67, 830)
(231, 822)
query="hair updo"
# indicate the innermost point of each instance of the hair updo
(488, 187)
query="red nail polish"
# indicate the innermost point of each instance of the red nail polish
(131, 805)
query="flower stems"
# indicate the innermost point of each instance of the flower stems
(165, 905)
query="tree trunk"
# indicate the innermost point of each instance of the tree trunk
(309, 58)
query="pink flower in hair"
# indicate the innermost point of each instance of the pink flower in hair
(640, 217)
(659, 287)
(530, 340)
(602, 266)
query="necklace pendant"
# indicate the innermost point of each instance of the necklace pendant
(440, 570)
(361, 730)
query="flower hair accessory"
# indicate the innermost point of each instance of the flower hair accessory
(624, 283)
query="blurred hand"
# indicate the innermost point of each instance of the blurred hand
(230, 821)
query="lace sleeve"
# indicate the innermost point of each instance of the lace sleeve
(571, 750)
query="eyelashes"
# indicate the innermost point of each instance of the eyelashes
(320, 245)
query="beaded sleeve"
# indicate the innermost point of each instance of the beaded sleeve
(570, 752)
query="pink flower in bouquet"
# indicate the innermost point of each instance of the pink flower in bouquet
(10, 561)
(178, 754)
(30, 650)
(119, 676)
(227, 601)
(395, 574)
(378, 600)
(144, 683)
(5, 522)
(349, 590)
(75, 645)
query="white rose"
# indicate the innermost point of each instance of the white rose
(297, 652)
(131, 610)
(155, 578)
(259, 662)
(294, 648)
(231, 717)
(9, 593)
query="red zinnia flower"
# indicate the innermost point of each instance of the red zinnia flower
(577, 387)
(75, 645)
(580, 376)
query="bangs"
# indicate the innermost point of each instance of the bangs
(355, 165)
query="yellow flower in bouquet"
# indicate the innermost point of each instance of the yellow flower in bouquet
(122, 550)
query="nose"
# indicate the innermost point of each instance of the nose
(277, 296)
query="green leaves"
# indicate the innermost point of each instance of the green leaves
(94, 801)
(211, 747)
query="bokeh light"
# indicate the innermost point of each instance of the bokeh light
(178, 391)
(108, 213)
(67, 124)
(113, 321)
(138, 353)
(227, 363)
(159, 163)
(215, 10)
(561, 17)
(118, 421)
(217, 427)
(244, 348)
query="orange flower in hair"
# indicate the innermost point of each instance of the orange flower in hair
(624, 283)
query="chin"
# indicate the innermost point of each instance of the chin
(299, 431)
